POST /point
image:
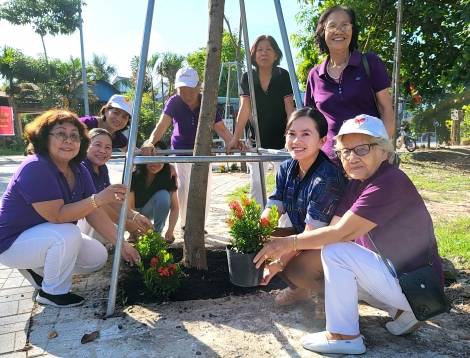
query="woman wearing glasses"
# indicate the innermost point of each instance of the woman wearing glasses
(380, 200)
(115, 117)
(46, 196)
(339, 87)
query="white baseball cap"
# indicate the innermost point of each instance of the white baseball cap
(186, 77)
(121, 102)
(364, 124)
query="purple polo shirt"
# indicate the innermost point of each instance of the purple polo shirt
(404, 227)
(348, 98)
(100, 180)
(184, 122)
(119, 139)
(37, 179)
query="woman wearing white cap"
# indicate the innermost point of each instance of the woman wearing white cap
(115, 117)
(183, 109)
(380, 200)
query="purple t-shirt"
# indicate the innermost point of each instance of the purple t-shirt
(100, 180)
(348, 98)
(184, 122)
(404, 227)
(119, 139)
(37, 179)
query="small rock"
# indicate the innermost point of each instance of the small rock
(178, 326)
(180, 311)
(203, 315)
(120, 326)
(164, 318)
(212, 315)
(464, 337)
(22, 295)
(52, 334)
(198, 353)
(96, 313)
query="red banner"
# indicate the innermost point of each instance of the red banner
(6, 121)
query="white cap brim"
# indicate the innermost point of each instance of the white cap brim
(360, 131)
(191, 84)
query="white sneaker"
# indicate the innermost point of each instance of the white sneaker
(317, 342)
(404, 324)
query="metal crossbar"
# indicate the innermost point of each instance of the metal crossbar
(263, 154)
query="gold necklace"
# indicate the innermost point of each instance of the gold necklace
(345, 64)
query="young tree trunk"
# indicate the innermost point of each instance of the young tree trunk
(194, 250)
(47, 60)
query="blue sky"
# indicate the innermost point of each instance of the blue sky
(115, 28)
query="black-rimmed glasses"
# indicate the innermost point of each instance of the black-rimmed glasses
(64, 136)
(360, 151)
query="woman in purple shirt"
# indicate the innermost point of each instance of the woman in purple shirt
(339, 87)
(115, 118)
(46, 196)
(382, 201)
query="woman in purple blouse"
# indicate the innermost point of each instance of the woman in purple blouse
(46, 196)
(339, 87)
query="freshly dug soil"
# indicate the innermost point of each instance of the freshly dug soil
(194, 284)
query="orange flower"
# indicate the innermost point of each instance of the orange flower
(240, 214)
(154, 261)
(264, 221)
(234, 205)
(246, 202)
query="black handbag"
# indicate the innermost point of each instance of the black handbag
(421, 288)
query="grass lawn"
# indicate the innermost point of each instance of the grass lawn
(4, 151)
(442, 181)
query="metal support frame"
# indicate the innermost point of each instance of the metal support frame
(84, 82)
(396, 69)
(264, 154)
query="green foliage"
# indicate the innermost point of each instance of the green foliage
(159, 272)
(222, 168)
(234, 167)
(453, 238)
(248, 230)
(100, 69)
(197, 61)
(435, 44)
(245, 190)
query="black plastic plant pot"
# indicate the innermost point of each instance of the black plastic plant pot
(242, 270)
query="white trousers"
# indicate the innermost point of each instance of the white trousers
(256, 190)
(89, 230)
(354, 273)
(56, 252)
(184, 175)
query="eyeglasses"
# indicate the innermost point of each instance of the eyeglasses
(343, 27)
(119, 113)
(64, 136)
(360, 150)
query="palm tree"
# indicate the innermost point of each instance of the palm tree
(100, 69)
(167, 67)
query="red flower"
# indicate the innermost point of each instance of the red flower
(264, 221)
(154, 261)
(240, 214)
(246, 202)
(234, 205)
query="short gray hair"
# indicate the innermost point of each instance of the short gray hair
(381, 142)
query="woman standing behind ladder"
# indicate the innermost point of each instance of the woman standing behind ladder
(274, 104)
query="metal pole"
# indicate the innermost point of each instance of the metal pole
(290, 61)
(130, 156)
(396, 68)
(227, 96)
(84, 83)
(254, 112)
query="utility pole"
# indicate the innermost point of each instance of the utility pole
(84, 83)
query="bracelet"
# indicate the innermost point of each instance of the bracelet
(93, 202)
(147, 144)
(278, 261)
(295, 242)
(135, 214)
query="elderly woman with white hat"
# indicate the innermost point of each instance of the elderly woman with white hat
(379, 200)
(183, 109)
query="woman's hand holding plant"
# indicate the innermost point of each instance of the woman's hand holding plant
(115, 193)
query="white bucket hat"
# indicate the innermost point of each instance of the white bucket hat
(121, 102)
(186, 77)
(364, 124)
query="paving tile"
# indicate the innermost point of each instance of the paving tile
(24, 317)
(20, 340)
(13, 282)
(8, 308)
(36, 351)
(74, 330)
(2, 281)
(13, 327)
(18, 296)
(13, 355)
(4, 292)
(38, 334)
(7, 342)
(25, 306)
(5, 273)
(16, 273)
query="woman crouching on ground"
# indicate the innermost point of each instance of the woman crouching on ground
(153, 193)
(98, 154)
(308, 188)
(46, 196)
(380, 200)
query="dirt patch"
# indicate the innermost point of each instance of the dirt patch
(195, 284)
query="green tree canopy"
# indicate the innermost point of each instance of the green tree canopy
(100, 69)
(435, 45)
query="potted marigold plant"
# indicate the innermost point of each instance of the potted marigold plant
(159, 272)
(249, 232)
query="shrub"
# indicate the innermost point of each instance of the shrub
(222, 168)
(234, 167)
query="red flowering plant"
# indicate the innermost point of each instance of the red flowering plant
(160, 273)
(248, 230)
